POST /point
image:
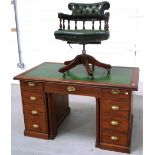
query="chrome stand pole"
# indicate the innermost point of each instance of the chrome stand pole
(84, 50)
(20, 64)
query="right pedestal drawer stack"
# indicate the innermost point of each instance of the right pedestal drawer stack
(115, 119)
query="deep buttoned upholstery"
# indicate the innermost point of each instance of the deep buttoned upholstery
(88, 9)
(94, 13)
(84, 12)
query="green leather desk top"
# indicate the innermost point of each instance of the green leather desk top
(119, 76)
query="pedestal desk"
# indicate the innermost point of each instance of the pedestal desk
(45, 102)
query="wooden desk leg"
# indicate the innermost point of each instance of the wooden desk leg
(51, 117)
(58, 109)
(97, 121)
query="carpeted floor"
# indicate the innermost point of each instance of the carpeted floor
(75, 136)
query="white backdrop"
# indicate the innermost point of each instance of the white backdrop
(38, 21)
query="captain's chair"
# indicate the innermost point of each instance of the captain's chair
(84, 12)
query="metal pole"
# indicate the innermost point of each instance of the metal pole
(20, 64)
(83, 51)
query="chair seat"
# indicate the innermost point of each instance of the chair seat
(82, 36)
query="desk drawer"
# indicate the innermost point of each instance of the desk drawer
(35, 107)
(31, 85)
(37, 125)
(116, 123)
(115, 107)
(72, 89)
(34, 115)
(114, 138)
(117, 94)
(32, 97)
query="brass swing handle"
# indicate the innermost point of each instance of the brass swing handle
(114, 123)
(115, 91)
(33, 98)
(71, 89)
(35, 126)
(114, 138)
(115, 107)
(34, 112)
(31, 84)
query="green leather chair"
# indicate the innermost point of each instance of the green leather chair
(94, 12)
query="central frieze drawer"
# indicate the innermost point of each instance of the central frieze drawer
(72, 89)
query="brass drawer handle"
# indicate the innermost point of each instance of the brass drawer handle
(114, 138)
(115, 107)
(71, 89)
(34, 112)
(31, 84)
(114, 123)
(115, 91)
(35, 126)
(32, 98)
(126, 93)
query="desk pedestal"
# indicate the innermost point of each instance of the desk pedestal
(58, 109)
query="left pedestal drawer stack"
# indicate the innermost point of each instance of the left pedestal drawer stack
(34, 109)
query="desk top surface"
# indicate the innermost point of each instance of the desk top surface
(126, 77)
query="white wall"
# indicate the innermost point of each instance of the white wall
(38, 21)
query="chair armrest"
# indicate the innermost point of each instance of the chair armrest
(82, 17)
(64, 16)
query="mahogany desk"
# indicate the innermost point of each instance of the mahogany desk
(45, 92)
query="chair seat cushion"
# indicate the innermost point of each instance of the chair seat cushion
(82, 36)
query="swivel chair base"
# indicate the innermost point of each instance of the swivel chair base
(87, 60)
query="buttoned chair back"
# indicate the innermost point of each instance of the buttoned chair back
(94, 12)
